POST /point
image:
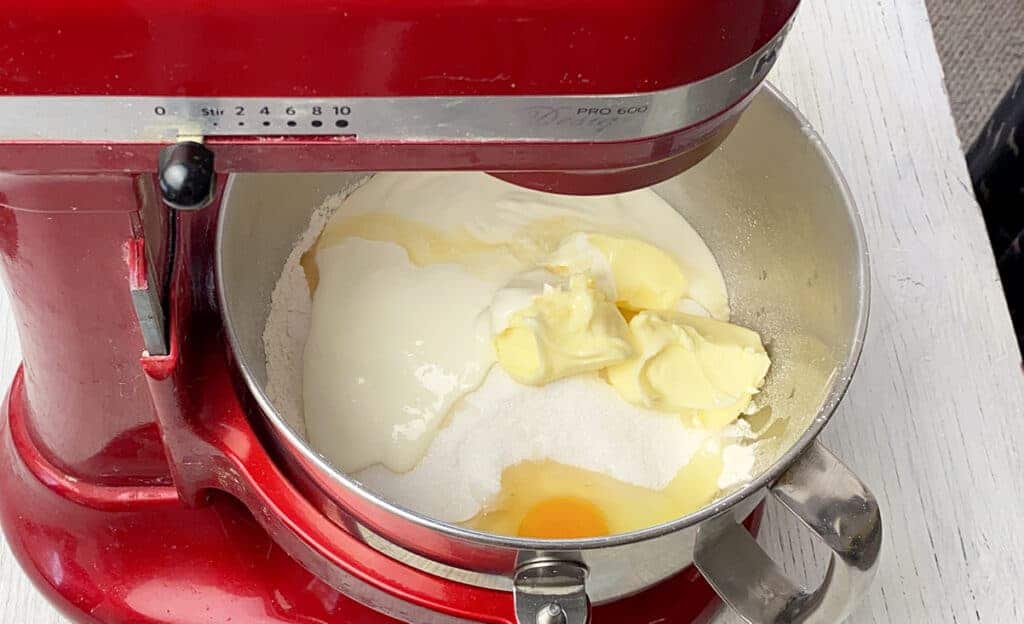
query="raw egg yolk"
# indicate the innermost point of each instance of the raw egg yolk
(564, 517)
(547, 500)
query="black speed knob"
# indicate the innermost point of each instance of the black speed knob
(186, 175)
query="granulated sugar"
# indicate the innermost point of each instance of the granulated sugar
(462, 469)
(577, 421)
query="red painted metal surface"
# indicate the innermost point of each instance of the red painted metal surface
(104, 557)
(374, 48)
(64, 267)
(157, 563)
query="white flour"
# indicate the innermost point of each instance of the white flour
(284, 336)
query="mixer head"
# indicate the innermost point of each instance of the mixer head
(576, 97)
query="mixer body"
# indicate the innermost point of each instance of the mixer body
(113, 442)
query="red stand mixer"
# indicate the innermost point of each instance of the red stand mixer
(138, 480)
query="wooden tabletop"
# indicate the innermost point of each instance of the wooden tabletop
(933, 420)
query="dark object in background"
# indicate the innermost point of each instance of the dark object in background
(996, 164)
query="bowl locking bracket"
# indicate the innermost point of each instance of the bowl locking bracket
(551, 592)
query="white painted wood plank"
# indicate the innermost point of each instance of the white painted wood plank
(932, 421)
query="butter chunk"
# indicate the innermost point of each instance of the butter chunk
(646, 278)
(691, 365)
(564, 331)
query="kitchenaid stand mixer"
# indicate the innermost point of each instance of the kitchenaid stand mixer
(137, 484)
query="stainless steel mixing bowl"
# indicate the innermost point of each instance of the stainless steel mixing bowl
(773, 207)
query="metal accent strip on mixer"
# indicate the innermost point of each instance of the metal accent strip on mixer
(146, 119)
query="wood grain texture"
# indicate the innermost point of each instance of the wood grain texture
(933, 418)
(932, 421)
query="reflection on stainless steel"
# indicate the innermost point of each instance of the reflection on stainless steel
(406, 556)
(770, 203)
(551, 592)
(833, 503)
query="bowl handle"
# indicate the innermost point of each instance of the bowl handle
(833, 503)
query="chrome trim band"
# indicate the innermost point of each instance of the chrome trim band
(479, 118)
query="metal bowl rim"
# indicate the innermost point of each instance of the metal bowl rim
(828, 407)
